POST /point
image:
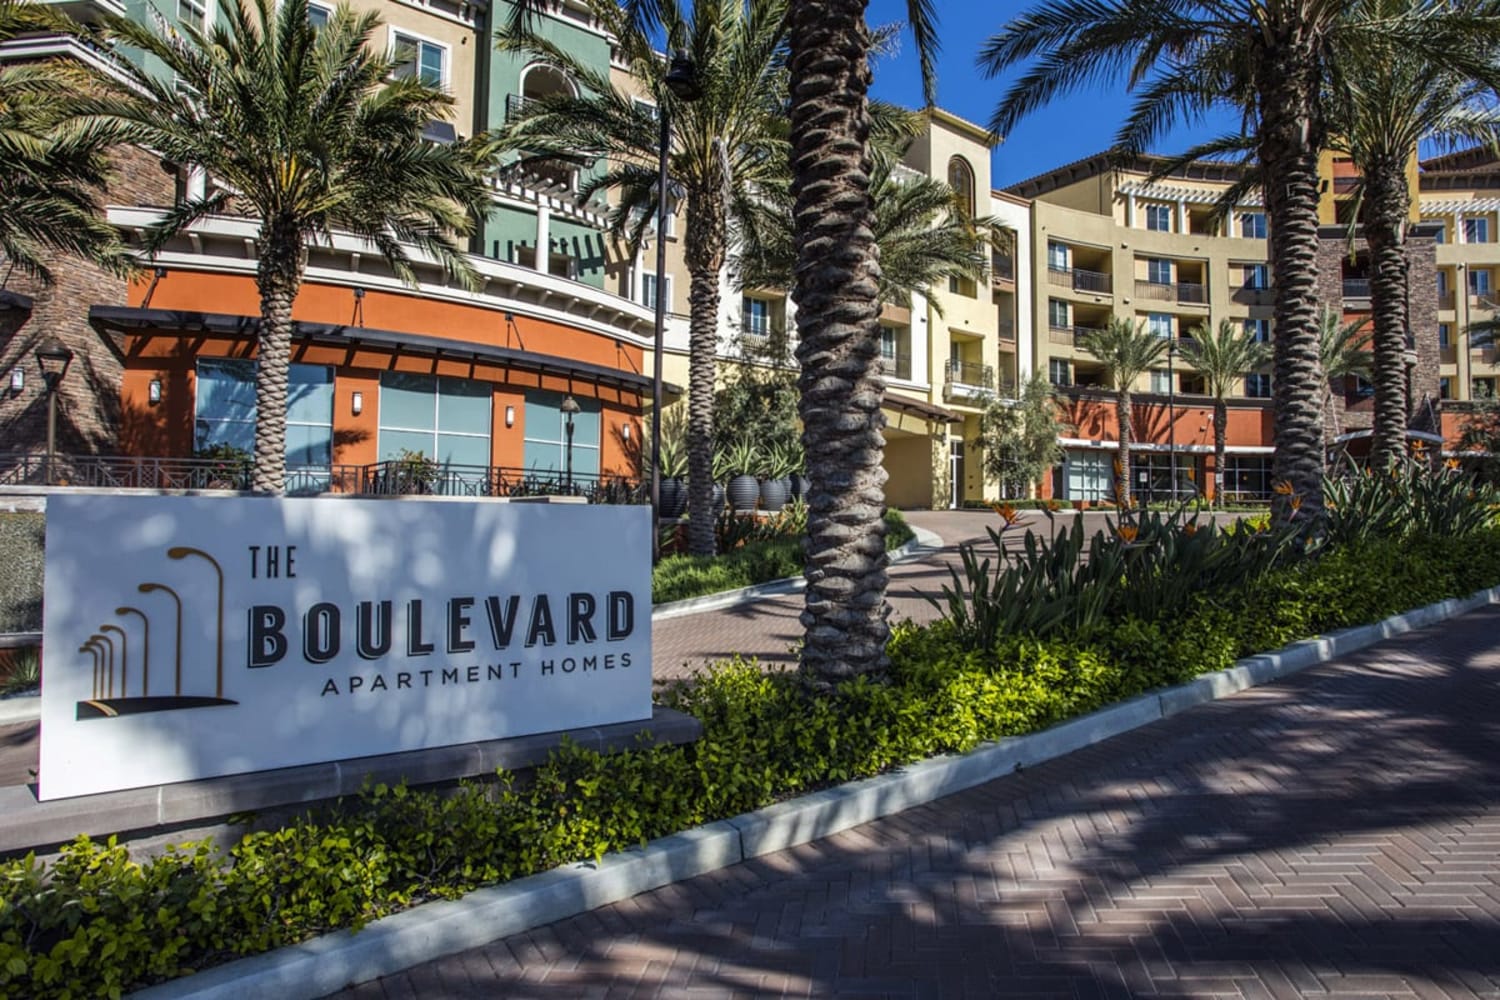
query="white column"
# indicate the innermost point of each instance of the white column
(1130, 211)
(197, 184)
(1182, 219)
(921, 337)
(543, 238)
(1458, 227)
(634, 291)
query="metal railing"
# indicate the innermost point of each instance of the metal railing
(897, 366)
(1253, 295)
(1005, 330)
(1080, 280)
(1356, 288)
(1002, 268)
(1163, 291)
(1447, 300)
(970, 374)
(392, 478)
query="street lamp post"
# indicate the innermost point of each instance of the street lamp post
(682, 81)
(1172, 416)
(53, 357)
(569, 407)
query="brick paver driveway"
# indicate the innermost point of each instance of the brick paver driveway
(1335, 833)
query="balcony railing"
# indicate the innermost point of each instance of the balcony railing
(1002, 268)
(1161, 291)
(967, 378)
(896, 366)
(380, 479)
(1447, 300)
(1356, 288)
(1253, 295)
(1006, 331)
(1080, 280)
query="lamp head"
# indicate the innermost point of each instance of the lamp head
(682, 77)
(53, 357)
(569, 406)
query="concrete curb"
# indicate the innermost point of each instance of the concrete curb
(323, 965)
(923, 542)
(15, 710)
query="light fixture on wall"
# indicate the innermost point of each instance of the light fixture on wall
(17, 379)
(510, 416)
(153, 391)
(625, 432)
(357, 403)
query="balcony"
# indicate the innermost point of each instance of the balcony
(1251, 295)
(1002, 271)
(896, 366)
(1079, 280)
(1161, 291)
(1005, 330)
(379, 479)
(1071, 335)
(1447, 300)
(1356, 288)
(967, 380)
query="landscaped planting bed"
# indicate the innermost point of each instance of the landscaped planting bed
(1140, 614)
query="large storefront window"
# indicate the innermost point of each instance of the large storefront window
(445, 419)
(1089, 475)
(546, 434)
(1247, 477)
(225, 411)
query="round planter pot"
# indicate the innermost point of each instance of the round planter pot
(799, 485)
(673, 499)
(744, 493)
(774, 493)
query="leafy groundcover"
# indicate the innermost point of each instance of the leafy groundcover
(96, 923)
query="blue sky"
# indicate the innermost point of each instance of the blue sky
(1067, 130)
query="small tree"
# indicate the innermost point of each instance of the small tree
(1127, 352)
(1019, 436)
(1342, 351)
(1222, 359)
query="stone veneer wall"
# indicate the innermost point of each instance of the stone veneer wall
(88, 413)
(1422, 304)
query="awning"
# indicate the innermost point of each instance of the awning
(14, 301)
(119, 321)
(1418, 435)
(917, 408)
(1192, 449)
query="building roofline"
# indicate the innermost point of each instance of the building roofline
(1105, 162)
(976, 132)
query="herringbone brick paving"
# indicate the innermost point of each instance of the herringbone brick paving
(1335, 834)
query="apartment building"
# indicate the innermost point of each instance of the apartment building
(492, 383)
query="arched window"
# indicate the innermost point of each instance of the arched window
(961, 180)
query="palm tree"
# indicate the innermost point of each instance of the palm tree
(1127, 352)
(310, 130)
(55, 166)
(1268, 61)
(837, 295)
(1223, 358)
(921, 238)
(1380, 102)
(724, 143)
(1342, 352)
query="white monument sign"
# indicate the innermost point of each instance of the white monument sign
(190, 637)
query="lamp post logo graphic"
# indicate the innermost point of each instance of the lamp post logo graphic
(110, 699)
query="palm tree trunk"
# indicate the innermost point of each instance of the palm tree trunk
(1289, 138)
(1221, 434)
(1122, 473)
(1386, 203)
(704, 256)
(841, 381)
(278, 276)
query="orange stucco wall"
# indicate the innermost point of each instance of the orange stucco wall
(166, 428)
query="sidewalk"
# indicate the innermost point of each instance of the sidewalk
(1333, 833)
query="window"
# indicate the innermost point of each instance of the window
(1482, 388)
(1440, 235)
(418, 59)
(1159, 218)
(1442, 282)
(1057, 256)
(887, 342)
(546, 438)
(225, 411)
(1058, 372)
(1089, 475)
(1057, 314)
(1160, 325)
(1479, 281)
(961, 180)
(648, 291)
(1476, 230)
(1161, 382)
(1445, 388)
(1257, 276)
(1259, 330)
(1159, 272)
(757, 317)
(191, 12)
(1247, 476)
(446, 419)
(1258, 385)
(317, 15)
(1445, 335)
(1253, 225)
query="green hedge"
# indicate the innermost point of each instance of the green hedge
(97, 923)
(679, 577)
